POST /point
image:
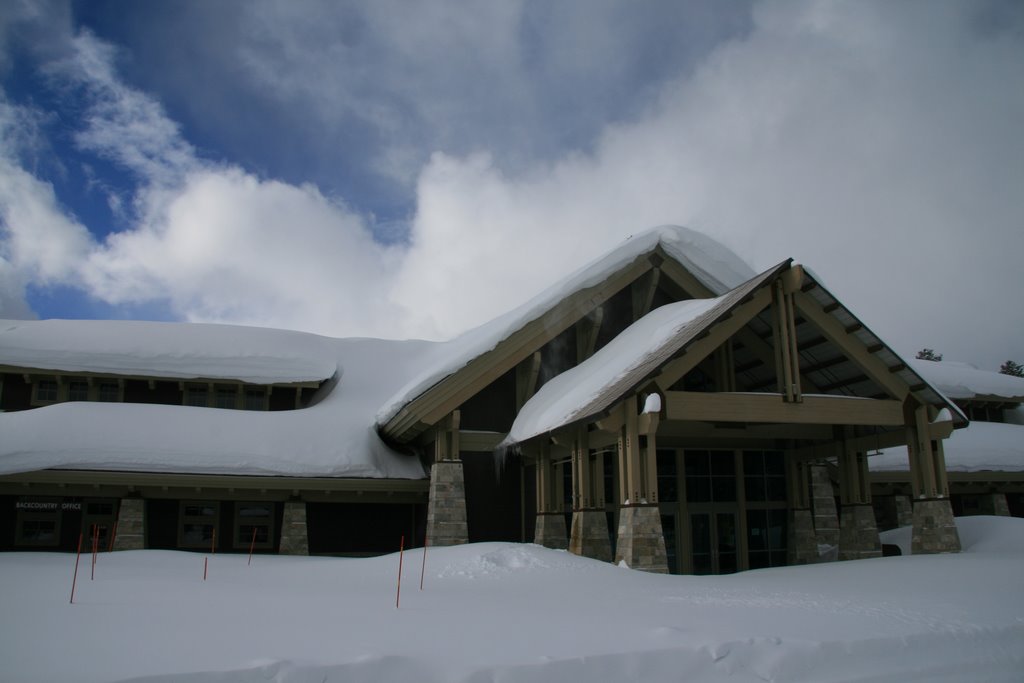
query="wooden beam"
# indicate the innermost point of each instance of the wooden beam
(643, 291)
(526, 379)
(587, 330)
(701, 349)
(852, 347)
(771, 408)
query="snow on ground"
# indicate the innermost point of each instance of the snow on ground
(511, 612)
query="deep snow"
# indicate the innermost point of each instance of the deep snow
(511, 612)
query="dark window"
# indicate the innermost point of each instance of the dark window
(254, 525)
(196, 396)
(668, 480)
(109, 392)
(78, 391)
(255, 399)
(227, 397)
(764, 476)
(46, 390)
(766, 538)
(710, 476)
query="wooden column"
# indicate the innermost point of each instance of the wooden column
(641, 543)
(549, 530)
(934, 529)
(858, 531)
(787, 362)
(589, 536)
(801, 540)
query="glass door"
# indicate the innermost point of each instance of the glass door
(713, 537)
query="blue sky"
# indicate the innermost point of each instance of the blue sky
(411, 169)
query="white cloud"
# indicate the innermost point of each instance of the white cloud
(877, 142)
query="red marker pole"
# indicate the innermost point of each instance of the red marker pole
(423, 569)
(206, 561)
(213, 542)
(78, 556)
(252, 544)
(401, 548)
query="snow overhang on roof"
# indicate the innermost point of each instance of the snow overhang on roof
(966, 382)
(166, 350)
(627, 362)
(713, 268)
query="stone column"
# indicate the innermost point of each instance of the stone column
(858, 529)
(858, 533)
(823, 502)
(934, 527)
(446, 509)
(904, 511)
(641, 540)
(131, 525)
(294, 534)
(550, 527)
(801, 541)
(589, 535)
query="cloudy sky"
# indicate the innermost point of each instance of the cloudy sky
(408, 169)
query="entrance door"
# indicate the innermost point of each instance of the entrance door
(713, 536)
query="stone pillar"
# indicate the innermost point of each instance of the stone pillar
(589, 536)
(823, 502)
(550, 531)
(994, 504)
(131, 525)
(934, 528)
(801, 541)
(446, 509)
(641, 541)
(294, 535)
(858, 533)
(904, 511)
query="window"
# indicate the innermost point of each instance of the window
(254, 521)
(46, 390)
(766, 538)
(226, 397)
(109, 392)
(710, 476)
(668, 482)
(198, 523)
(38, 523)
(255, 398)
(197, 395)
(78, 391)
(764, 476)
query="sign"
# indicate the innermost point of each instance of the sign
(46, 506)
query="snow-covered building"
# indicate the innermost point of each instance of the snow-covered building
(985, 463)
(663, 406)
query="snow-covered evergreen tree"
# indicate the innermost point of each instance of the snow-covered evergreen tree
(928, 354)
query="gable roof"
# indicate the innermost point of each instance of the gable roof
(628, 361)
(483, 354)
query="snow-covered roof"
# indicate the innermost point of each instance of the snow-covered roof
(623, 363)
(332, 438)
(715, 266)
(172, 350)
(964, 381)
(981, 447)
